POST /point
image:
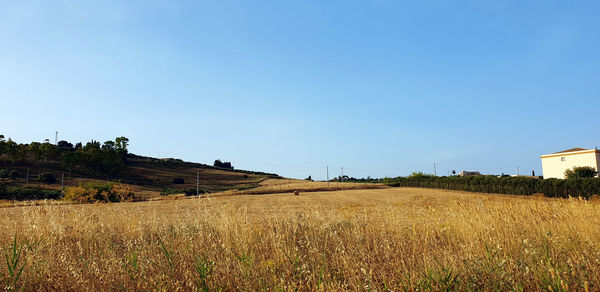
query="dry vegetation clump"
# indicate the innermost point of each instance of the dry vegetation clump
(99, 192)
(388, 239)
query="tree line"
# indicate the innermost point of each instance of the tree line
(107, 158)
(563, 188)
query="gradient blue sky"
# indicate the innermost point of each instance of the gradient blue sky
(382, 88)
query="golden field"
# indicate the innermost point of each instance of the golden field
(387, 239)
(284, 185)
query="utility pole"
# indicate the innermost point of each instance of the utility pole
(197, 183)
(62, 183)
(342, 177)
(434, 170)
(328, 177)
(56, 138)
(517, 170)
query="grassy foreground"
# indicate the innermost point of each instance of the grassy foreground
(384, 239)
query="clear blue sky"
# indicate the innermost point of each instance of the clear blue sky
(382, 88)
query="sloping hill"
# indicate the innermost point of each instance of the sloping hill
(146, 175)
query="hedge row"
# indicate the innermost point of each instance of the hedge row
(23, 194)
(562, 188)
(187, 192)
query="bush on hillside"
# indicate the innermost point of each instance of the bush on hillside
(3, 173)
(47, 177)
(13, 174)
(170, 191)
(178, 181)
(98, 192)
(22, 194)
(192, 192)
(187, 192)
(220, 164)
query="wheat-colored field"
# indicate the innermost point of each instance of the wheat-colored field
(372, 239)
(277, 186)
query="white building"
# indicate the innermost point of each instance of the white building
(555, 164)
(468, 173)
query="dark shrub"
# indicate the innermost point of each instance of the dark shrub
(21, 194)
(13, 174)
(220, 164)
(3, 173)
(170, 191)
(580, 172)
(192, 192)
(47, 177)
(178, 180)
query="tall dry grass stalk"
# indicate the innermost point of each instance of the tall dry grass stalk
(389, 239)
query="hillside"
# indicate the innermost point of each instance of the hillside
(147, 176)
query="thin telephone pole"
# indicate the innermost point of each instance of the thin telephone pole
(328, 177)
(434, 170)
(197, 183)
(517, 170)
(62, 183)
(342, 177)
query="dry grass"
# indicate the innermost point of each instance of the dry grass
(385, 239)
(278, 186)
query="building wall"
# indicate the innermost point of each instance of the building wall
(554, 165)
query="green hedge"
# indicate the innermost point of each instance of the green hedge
(187, 192)
(22, 194)
(562, 188)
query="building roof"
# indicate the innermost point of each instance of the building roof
(571, 150)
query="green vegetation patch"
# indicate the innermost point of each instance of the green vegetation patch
(560, 188)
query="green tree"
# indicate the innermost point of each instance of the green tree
(11, 149)
(122, 143)
(49, 151)
(108, 146)
(64, 146)
(419, 174)
(34, 148)
(2, 145)
(580, 172)
(21, 152)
